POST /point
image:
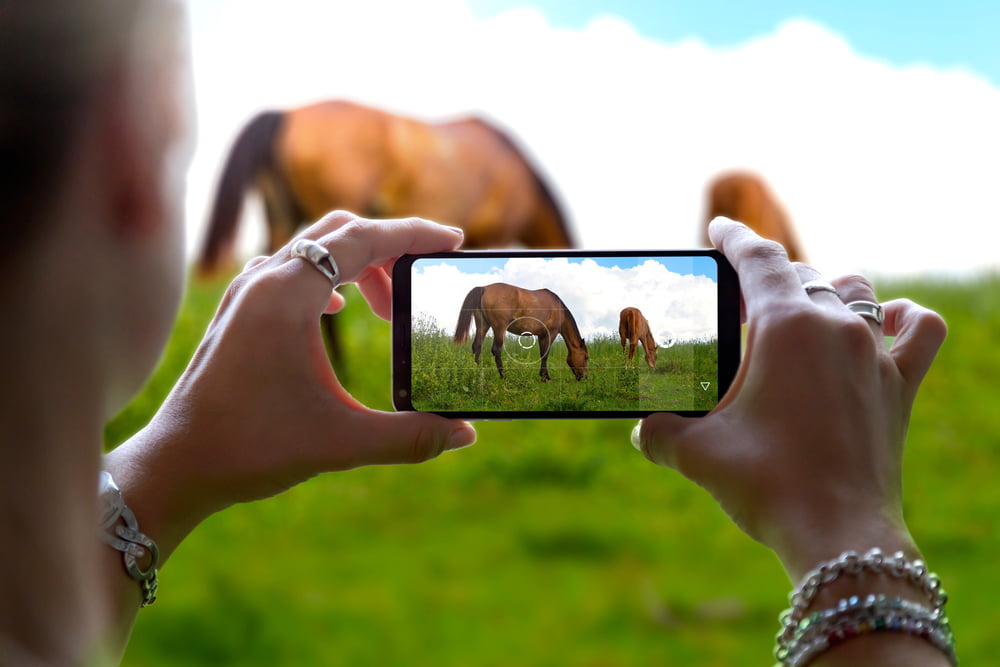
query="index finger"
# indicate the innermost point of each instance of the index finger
(766, 275)
(356, 243)
(362, 243)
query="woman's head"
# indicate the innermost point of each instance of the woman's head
(94, 130)
(56, 55)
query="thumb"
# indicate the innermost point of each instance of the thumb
(661, 438)
(336, 304)
(409, 437)
(919, 334)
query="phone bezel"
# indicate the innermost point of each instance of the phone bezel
(728, 318)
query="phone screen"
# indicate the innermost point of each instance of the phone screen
(550, 334)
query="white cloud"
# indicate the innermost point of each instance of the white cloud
(679, 307)
(884, 169)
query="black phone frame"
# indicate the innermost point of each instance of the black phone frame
(729, 330)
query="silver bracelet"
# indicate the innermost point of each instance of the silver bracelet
(120, 531)
(850, 562)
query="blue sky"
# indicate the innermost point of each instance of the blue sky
(962, 33)
(694, 266)
(677, 295)
(875, 124)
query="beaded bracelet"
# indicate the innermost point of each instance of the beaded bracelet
(851, 563)
(853, 617)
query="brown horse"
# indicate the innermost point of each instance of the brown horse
(633, 328)
(745, 197)
(540, 313)
(307, 161)
(331, 155)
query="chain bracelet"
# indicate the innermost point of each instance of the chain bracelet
(850, 562)
(127, 538)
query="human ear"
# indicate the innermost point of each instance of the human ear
(145, 122)
(133, 138)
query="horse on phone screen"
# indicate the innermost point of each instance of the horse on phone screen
(633, 328)
(745, 197)
(540, 313)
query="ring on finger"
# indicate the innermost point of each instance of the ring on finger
(868, 310)
(814, 286)
(319, 257)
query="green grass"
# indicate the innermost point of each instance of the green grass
(446, 377)
(548, 543)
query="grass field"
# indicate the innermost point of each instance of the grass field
(549, 543)
(445, 376)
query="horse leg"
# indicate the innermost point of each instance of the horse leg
(544, 344)
(279, 211)
(331, 341)
(497, 348)
(477, 342)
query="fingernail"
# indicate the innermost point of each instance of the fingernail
(636, 436)
(457, 230)
(462, 437)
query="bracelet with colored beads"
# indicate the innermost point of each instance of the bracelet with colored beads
(851, 563)
(854, 616)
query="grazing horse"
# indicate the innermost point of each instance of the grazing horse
(745, 197)
(310, 160)
(331, 155)
(633, 328)
(539, 313)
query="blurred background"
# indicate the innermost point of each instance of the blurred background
(874, 129)
(874, 123)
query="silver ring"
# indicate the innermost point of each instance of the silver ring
(319, 257)
(868, 310)
(819, 286)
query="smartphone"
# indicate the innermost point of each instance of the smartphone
(532, 334)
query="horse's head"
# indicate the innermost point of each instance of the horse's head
(651, 355)
(577, 360)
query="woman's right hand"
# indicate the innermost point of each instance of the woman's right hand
(805, 450)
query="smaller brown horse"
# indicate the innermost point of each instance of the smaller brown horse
(540, 313)
(633, 328)
(745, 197)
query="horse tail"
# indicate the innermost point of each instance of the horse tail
(473, 301)
(251, 152)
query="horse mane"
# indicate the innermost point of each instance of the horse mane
(647, 333)
(548, 196)
(569, 317)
